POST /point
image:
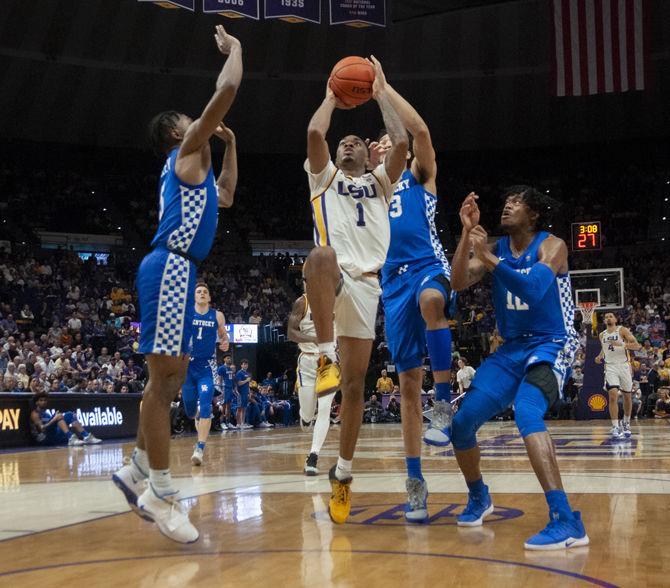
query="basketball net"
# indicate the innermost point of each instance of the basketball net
(587, 309)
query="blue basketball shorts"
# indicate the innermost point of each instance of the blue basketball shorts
(497, 380)
(405, 327)
(198, 389)
(227, 394)
(166, 287)
(54, 435)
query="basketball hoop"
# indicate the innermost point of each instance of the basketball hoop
(587, 309)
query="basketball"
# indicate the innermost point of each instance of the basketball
(351, 80)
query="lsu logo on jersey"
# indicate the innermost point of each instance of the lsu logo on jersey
(368, 190)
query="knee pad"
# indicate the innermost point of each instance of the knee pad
(530, 406)
(544, 379)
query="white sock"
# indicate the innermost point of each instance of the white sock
(139, 462)
(161, 480)
(322, 424)
(307, 400)
(626, 420)
(343, 469)
(328, 349)
(615, 422)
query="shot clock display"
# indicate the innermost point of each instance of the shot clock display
(586, 236)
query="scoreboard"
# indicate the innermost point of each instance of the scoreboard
(586, 236)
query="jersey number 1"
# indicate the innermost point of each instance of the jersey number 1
(361, 215)
(199, 333)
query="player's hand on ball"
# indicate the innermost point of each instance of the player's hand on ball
(330, 95)
(224, 133)
(469, 212)
(224, 41)
(380, 84)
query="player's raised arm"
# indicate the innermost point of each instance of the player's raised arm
(227, 181)
(317, 147)
(424, 167)
(297, 312)
(467, 270)
(199, 133)
(395, 161)
(530, 287)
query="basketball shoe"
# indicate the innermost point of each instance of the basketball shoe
(616, 432)
(625, 427)
(340, 497)
(75, 441)
(562, 532)
(169, 514)
(131, 484)
(91, 439)
(310, 468)
(197, 457)
(478, 508)
(416, 509)
(439, 432)
(327, 376)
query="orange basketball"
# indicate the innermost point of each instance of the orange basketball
(351, 80)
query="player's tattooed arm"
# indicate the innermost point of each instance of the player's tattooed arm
(227, 180)
(423, 165)
(297, 312)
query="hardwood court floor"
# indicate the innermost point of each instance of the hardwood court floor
(262, 523)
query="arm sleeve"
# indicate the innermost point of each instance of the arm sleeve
(318, 182)
(530, 287)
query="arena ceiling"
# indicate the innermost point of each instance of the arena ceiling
(93, 72)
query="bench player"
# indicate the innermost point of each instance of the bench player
(351, 231)
(616, 340)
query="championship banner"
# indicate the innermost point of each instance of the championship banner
(188, 4)
(232, 8)
(358, 13)
(294, 10)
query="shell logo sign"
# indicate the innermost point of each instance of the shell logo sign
(597, 402)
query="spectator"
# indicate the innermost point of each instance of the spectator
(464, 376)
(384, 384)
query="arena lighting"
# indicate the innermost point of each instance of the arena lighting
(666, 199)
(104, 210)
(664, 218)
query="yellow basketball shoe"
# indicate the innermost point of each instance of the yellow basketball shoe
(340, 498)
(327, 377)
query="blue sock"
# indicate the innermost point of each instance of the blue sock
(558, 502)
(477, 487)
(443, 391)
(414, 467)
(439, 349)
(201, 445)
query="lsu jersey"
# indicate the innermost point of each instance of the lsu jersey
(307, 327)
(351, 215)
(613, 353)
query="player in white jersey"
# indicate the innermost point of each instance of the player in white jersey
(301, 331)
(616, 341)
(351, 231)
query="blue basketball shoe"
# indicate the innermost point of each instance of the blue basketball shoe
(439, 432)
(561, 533)
(416, 509)
(478, 508)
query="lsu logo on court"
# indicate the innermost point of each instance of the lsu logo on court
(9, 419)
(597, 402)
(444, 513)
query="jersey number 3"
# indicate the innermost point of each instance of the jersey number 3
(395, 206)
(514, 303)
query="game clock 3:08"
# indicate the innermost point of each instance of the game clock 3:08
(586, 236)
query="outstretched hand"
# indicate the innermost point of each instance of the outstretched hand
(479, 240)
(376, 153)
(224, 41)
(469, 212)
(380, 84)
(224, 133)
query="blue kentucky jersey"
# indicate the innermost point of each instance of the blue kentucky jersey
(227, 374)
(414, 237)
(188, 214)
(553, 316)
(205, 331)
